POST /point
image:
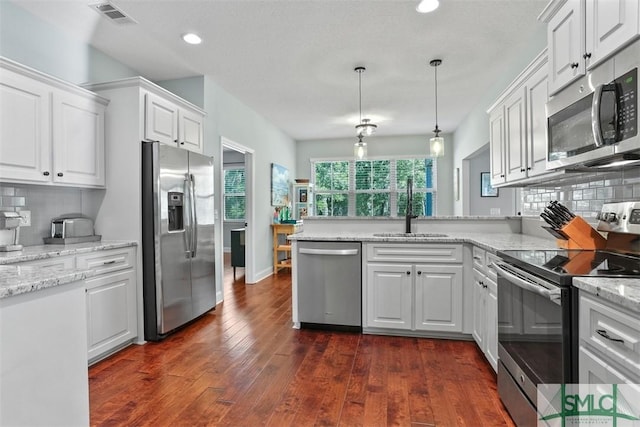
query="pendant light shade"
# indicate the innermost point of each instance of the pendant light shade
(436, 143)
(360, 149)
(365, 127)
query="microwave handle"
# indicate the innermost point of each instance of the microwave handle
(596, 107)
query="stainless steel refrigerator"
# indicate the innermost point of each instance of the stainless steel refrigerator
(177, 237)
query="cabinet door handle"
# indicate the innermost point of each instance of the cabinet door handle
(408, 273)
(603, 333)
(574, 65)
(45, 173)
(419, 273)
(113, 261)
(60, 174)
(587, 55)
(522, 169)
(502, 176)
(529, 168)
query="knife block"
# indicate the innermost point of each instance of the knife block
(580, 235)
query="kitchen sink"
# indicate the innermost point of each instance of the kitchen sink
(409, 235)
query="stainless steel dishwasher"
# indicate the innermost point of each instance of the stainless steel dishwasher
(330, 285)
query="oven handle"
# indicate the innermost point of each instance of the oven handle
(551, 294)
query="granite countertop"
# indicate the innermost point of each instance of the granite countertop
(625, 292)
(17, 279)
(492, 242)
(32, 253)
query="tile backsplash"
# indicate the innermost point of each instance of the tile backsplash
(583, 193)
(44, 203)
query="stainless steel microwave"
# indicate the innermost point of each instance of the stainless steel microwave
(594, 121)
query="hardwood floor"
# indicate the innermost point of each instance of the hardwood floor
(243, 365)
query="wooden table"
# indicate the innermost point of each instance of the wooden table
(282, 245)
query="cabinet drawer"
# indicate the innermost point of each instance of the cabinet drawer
(611, 331)
(415, 253)
(107, 261)
(66, 262)
(478, 258)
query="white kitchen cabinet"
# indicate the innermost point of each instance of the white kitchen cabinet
(583, 33)
(438, 297)
(389, 296)
(517, 128)
(609, 341)
(485, 305)
(52, 132)
(416, 287)
(111, 300)
(171, 124)
(497, 145)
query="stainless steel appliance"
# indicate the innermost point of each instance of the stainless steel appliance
(177, 237)
(11, 221)
(330, 285)
(538, 309)
(594, 121)
(71, 228)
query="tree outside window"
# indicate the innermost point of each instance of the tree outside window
(234, 196)
(375, 187)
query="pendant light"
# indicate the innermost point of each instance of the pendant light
(436, 144)
(360, 149)
(365, 127)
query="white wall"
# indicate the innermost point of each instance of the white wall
(482, 206)
(381, 146)
(473, 132)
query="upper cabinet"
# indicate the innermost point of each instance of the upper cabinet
(582, 33)
(51, 132)
(517, 127)
(172, 124)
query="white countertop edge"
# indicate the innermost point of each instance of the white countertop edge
(16, 280)
(492, 242)
(621, 291)
(420, 218)
(32, 253)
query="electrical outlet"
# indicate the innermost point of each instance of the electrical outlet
(25, 220)
(495, 211)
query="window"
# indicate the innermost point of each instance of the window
(375, 187)
(234, 198)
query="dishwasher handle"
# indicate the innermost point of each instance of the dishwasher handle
(339, 252)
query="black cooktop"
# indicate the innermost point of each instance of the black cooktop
(561, 265)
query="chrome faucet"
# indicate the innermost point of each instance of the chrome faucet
(409, 215)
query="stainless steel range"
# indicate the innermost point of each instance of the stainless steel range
(538, 308)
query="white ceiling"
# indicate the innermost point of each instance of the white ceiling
(292, 61)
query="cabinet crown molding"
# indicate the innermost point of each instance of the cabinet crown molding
(145, 84)
(11, 65)
(550, 9)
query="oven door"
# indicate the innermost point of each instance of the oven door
(536, 337)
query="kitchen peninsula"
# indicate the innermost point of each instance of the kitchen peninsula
(47, 327)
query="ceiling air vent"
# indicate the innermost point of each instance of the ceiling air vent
(113, 13)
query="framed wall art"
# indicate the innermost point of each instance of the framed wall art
(486, 190)
(279, 185)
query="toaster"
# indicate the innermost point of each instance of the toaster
(71, 225)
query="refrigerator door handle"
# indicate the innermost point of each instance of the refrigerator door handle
(194, 218)
(187, 216)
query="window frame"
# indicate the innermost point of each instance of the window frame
(393, 190)
(225, 194)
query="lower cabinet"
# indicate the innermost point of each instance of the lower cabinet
(609, 342)
(485, 305)
(111, 300)
(417, 295)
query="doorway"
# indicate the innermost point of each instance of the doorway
(237, 162)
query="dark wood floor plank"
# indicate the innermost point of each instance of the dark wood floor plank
(242, 364)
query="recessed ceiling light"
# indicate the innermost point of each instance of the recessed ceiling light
(192, 38)
(426, 6)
